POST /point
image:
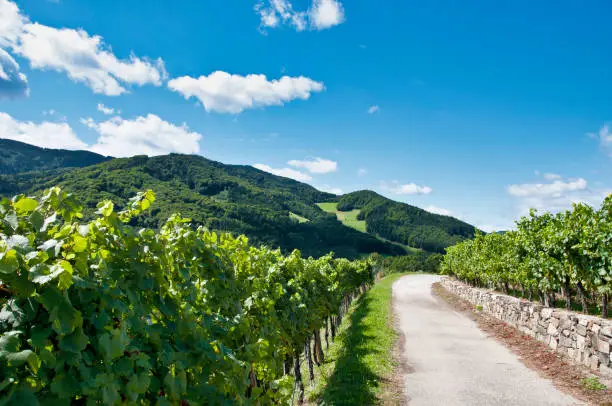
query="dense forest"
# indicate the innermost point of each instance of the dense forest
(406, 224)
(18, 157)
(236, 199)
(270, 210)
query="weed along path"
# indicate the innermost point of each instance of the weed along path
(450, 361)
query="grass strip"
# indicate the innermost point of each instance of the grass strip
(360, 361)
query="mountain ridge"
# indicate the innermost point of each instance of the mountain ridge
(236, 198)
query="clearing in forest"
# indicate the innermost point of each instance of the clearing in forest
(348, 218)
(298, 218)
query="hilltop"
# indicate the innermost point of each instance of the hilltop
(270, 210)
(405, 224)
(16, 157)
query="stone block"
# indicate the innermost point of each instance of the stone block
(580, 342)
(594, 362)
(581, 330)
(565, 341)
(604, 359)
(583, 322)
(553, 343)
(554, 322)
(546, 312)
(603, 346)
(607, 371)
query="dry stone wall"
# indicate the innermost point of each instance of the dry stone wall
(584, 339)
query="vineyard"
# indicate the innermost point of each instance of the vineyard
(567, 256)
(105, 313)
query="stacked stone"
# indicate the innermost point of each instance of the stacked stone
(584, 339)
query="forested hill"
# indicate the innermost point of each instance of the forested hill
(238, 199)
(269, 209)
(18, 157)
(404, 223)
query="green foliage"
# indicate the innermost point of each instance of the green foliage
(406, 224)
(547, 253)
(348, 218)
(593, 383)
(235, 199)
(418, 262)
(362, 351)
(298, 218)
(16, 157)
(101, 312)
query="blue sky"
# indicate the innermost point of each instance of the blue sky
(476, 109)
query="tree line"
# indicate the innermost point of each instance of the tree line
(566, 255)
(102, 312)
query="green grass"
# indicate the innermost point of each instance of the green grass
(593, 383)
(299, 218)
(409, 249)
(348, 218)
(360, 359)
(328, 207)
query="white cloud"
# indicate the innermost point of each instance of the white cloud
(107, 111)
(315, 165)
(45, 134)
(438, 210)
(13, 83)
(405, 189)
(554, 196)
(321, 15)
(326, 13)
(279, 11)
(222, 92)
(146, 135)
(488, 228)
(330, 189)
(373, 109)
(12, 23)
(552, 176)
(556, 188)
(605, 138)
(85, 59)
(362, 172)
(285, 172)
(82, 57)
(49, 112)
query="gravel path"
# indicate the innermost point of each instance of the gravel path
(450, 361)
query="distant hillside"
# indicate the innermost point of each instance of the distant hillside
(406, 224)
(269, 209)
(16, 157)
(237, 199)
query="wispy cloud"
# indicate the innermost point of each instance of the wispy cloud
(285, 172)
(315, 165)
(107, 111)
(373, 109)
(398, 188)
(555, 194)
(322, 14)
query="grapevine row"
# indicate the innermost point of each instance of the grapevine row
(566, 255)
(101, 312)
